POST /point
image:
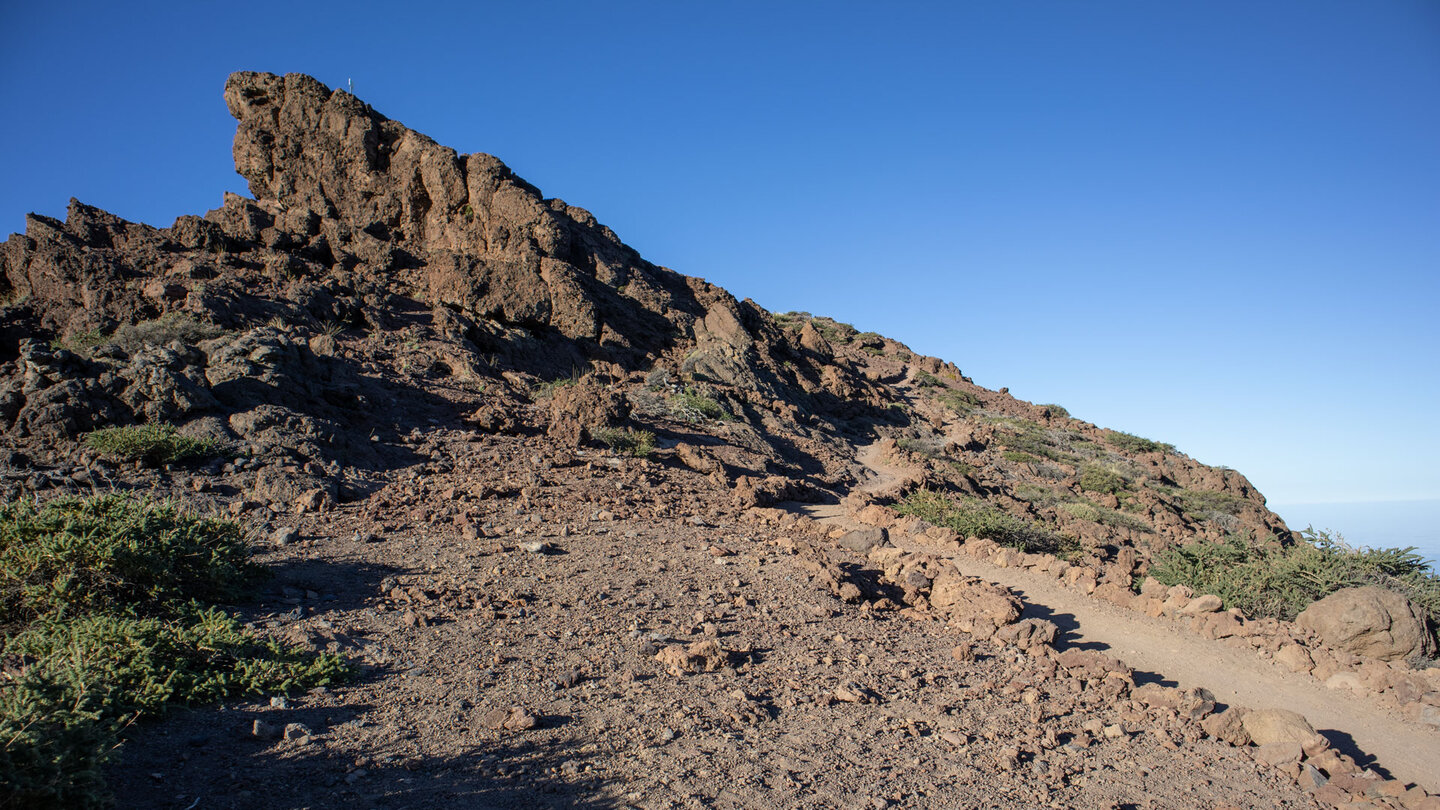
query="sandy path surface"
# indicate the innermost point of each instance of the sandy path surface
(1160, 650)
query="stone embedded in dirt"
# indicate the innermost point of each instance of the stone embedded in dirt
(1369, 621)
(861, 541)
(1295, 658)
(285, 535)
(512, 718)
(1277, 725)
(702, 656)
(297, 732)
(1027, 633)
(1092, 664)
(1208, 603)
(312, 500)
(1193, 704)
(264, 730)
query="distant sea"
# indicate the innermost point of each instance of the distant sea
(1378, 524)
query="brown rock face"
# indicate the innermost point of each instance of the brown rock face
(470, 235)
(1369, 621)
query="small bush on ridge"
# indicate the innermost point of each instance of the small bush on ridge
(970, 516)
(156, 443)
(632, 442)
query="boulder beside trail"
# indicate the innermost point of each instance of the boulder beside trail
(1369, 621)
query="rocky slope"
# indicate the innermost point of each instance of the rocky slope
(368, 245)
(417, 360)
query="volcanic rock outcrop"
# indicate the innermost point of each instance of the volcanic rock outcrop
(370, 248)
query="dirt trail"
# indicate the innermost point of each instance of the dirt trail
(1159, 650)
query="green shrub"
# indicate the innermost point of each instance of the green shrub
(1131, 443)
(632, 442)
(547, 389)
(1098, 479)
(1027, 437)
(75, 556)
(164, 330)
(138, 665)
(961, 402)
(1280, 580)
(1055, 410)
(969, 516)
(925, 379)
(155, 443)
(834, 331)
(80, 341)
(104, 619)
(929, 448)
(1084, 510)
(1204, 504)
(692, 406)
(1019, 457)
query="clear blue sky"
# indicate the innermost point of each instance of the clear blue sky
(1212, 223)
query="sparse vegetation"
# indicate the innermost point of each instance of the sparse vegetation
(1065, 501)
(1204, 504)
(173, 326)
(961, 402)
(631, 442)
(80, 342)
(1055, 410)
(929, 448)
(155, 443)
(103, 606)
(692, 406)
(545, 390)
(1099, 479)
(1131, 443)
(1280, 580)
(970, 516)
(1019, 457)
(1023, 436)
(925, 379)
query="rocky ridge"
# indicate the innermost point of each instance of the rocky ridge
(417, 357)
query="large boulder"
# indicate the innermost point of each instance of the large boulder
(1268, 726)
(1369, 621)
(972, 604)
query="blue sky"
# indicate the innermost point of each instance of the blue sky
(1211, 223)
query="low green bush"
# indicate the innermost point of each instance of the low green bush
(692, 406)
(77, 556)
(103, 605)
(1280, 580)
(969, 516)
(1131, 443)
(632, 442)
(156, 443)
(1099, 479)
(173, 326)
(1203, 504)
(1055, 410)
(961, 402)
(1028, 437)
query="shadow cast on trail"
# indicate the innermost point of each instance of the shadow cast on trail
(515, 771)
(1066, 625)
